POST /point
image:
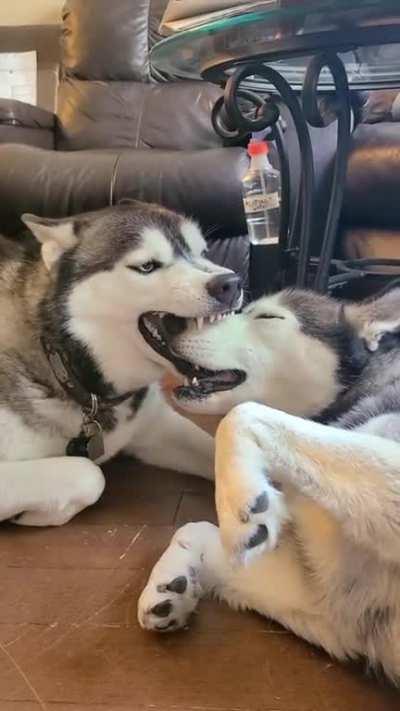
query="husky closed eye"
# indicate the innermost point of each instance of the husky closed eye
(270, 316)
(146, 268)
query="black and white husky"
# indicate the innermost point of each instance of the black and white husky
(307, 475)
(82, 313)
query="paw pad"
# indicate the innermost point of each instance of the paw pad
(259, 537)
(261, 504)
(163, 609)
(178, 585)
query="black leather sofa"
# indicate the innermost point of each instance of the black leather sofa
(118, 134)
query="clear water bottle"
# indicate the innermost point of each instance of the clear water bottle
(262, 196)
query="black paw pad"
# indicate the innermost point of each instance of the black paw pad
(163, 609)
(261, 504)
(162, 628)
(178, 585)
(259, 537)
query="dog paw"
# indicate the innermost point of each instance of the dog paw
(252, 522)
(166, 606)
(56, 517)
(170, 597)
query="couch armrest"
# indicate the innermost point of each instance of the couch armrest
(27, 124)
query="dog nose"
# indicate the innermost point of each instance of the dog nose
(225, 288)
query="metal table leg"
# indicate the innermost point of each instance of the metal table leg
(311, 110)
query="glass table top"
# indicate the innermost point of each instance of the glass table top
(285, 33)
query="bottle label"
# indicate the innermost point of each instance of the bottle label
(260, 202)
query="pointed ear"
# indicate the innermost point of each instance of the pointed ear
(55, 236)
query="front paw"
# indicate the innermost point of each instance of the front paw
(166, 606)
(251, 517)
(173, 590)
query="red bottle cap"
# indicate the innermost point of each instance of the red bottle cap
(257, 148)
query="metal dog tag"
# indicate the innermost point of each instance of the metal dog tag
(89, 443)
(95, 440)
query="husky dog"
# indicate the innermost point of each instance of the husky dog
(82, 314)
(307, 475)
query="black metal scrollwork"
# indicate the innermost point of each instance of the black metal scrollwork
(241, 112)
(339, 108)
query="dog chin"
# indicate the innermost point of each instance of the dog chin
(218, 403)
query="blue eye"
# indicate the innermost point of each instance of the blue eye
(146, 268)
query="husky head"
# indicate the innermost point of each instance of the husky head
(120, 274)
(295, 351)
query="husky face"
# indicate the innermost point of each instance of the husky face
(120, 273)
(292, 351)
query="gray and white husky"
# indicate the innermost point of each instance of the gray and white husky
(307, 475)
(82, 310)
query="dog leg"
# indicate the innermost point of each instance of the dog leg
(196, 565)
(166, 439)
(48, 492)
(191, 567)
(353, 475)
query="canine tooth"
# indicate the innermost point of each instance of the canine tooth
(153, 331)
(212, 319)
(200, 322)
(195, 381)
(186, 382)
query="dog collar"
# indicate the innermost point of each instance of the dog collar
(62, 370)
(90, 441)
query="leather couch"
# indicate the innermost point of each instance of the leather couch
(118, 134)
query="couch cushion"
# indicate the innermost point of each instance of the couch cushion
(373, 177)
(372, 243)
(107, 40)
(202, 184)
(94, 114)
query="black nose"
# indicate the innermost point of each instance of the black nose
(225, 288)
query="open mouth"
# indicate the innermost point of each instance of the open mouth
(160, 328)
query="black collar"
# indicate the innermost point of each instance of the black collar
(60, 365)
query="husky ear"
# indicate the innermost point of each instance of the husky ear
(55, 236)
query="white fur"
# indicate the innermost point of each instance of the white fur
(328, 498)
(279, 356)
(48, 488)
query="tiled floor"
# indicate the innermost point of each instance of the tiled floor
(69, 640)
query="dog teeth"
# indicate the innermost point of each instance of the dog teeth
(195, 381)
(186, 382)
(153, 331)
(202, 321)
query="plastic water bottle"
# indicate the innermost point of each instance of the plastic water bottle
(262, 196)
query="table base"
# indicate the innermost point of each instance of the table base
(231, 119)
